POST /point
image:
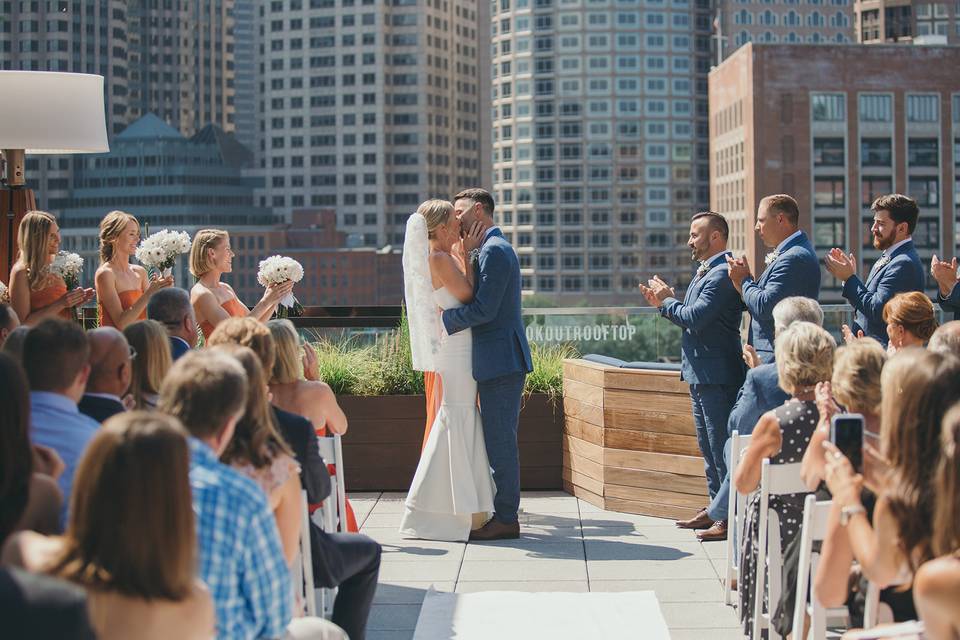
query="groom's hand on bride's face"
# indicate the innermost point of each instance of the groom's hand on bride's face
(473, 237)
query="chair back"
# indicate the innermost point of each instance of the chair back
(303, 570)
(813, 529)
(735, 508)
(334, 511)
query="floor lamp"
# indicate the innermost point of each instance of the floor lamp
(47, 113)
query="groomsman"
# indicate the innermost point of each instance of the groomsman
(897, 270)
(945, 273)
(710, 318)
(792, 270)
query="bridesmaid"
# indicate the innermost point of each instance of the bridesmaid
(123, 289)
(215, 301)
(36, 294)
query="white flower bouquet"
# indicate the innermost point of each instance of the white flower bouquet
(68, 266)
(160, 250)
(277, 270)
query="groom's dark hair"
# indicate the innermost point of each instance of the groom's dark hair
(717, 222)
(478, 195)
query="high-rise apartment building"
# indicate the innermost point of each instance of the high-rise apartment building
(245, 71)
(792, 22)
(907, 20)
(864, 125)
(600, 141)
(370, 107)
(182, 62)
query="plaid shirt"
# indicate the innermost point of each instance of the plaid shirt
(241, 559)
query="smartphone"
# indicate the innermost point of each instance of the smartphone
(846, 432)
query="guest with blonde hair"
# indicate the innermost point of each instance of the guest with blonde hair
(215, 301)
(123, 290)
(35, 293)
(911, 320)
(804, 357)
(152, 360)
(312, 399)
(131, 540)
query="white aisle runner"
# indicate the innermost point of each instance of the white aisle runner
(512, 615)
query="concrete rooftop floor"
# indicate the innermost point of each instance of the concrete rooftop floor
(566, 544)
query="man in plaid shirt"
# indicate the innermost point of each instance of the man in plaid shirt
(240, 556)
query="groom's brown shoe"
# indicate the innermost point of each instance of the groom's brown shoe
(699, 521)
(496, 530)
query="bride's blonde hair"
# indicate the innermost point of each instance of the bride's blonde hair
(436, 213)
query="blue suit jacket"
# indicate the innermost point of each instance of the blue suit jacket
(178, 347)
(904, 272)
(796, 272)
(499, 339)
(710, 318)
(760, 393)
(951, 302)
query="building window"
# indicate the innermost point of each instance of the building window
(872, 187)
(829, 233)
(927, 233)
(829, 107)
(828, 152)
(828, 192)
(925, 190)
(923, 152)
(923, 108)
(876, 108)
(876, 152)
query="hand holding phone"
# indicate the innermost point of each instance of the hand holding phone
(846, 432)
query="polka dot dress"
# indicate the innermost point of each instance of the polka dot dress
(798, 420)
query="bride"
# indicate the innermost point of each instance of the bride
(453, 483)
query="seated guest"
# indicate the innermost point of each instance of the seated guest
(38, 606)
(760, 393)
(110, 371)
(804, 357)
(148, 340)
(28, 499)
(348, 561)
(240, 555)
(917, 388)
(123, 289)
(853, 388)
(898, 269)
(312, 399)
(171, 308)
(55, 355)
(8, 321)
(260, 453)
(215, 301)
(35, 293)
(13, 345)
(946, 339)
(911, 320)
(936, 588)
(131, 541)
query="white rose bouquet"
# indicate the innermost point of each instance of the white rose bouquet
(160, 250)
(277, 270)
(68, 266)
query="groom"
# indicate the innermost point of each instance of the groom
(501, 355)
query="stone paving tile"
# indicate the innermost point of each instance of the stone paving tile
(611, 518)
(385, 535)
(389, 634)
(399, 592)
(705, 615)
(712, 634)
(523, 570)
(382, 519)
(419, 571)
(636, 548)
(576, 586)
(422, 550)
(363, 495)
(687, 591)
(676, 569)
(394, 616)
(524, 550)
(642, 534)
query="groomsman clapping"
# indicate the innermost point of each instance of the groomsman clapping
(710, 347)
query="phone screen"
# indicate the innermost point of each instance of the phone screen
(846, 432)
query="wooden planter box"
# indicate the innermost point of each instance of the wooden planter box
(629, 441)
(382, 447)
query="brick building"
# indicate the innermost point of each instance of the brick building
(837, 126)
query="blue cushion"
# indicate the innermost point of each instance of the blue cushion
(621, 364)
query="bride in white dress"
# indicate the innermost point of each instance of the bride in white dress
(453, 481)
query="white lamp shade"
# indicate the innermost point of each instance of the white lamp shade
(52, 113)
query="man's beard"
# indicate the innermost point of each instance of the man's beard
(882, 243)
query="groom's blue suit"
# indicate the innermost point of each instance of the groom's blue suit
(501, 362)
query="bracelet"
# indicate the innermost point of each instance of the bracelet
(847, 513)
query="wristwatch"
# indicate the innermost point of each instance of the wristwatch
(848, 512)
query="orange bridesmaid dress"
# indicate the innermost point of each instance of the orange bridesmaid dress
(127, 299)
(46, 296)
(234, 307)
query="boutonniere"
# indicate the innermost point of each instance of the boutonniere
(771, 257)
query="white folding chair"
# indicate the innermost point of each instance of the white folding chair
(735, 514)
(777, 479)
(333, 512)
(303, 570)
(814, 529)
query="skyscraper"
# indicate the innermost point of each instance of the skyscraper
(792, 22)
(369, 108)
(907, 20)
(600, 140)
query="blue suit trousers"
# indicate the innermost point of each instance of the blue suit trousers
(711, 410)
(500, 411)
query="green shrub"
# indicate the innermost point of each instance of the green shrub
(547, 374)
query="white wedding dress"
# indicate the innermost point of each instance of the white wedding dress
(453, 479)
